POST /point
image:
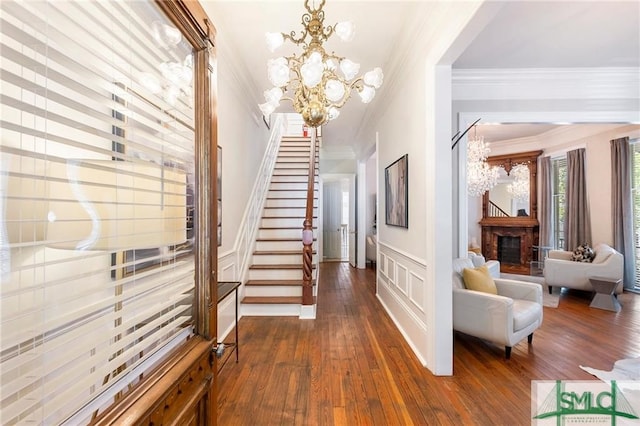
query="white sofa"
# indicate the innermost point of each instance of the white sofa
(504, 318)
(561, 271)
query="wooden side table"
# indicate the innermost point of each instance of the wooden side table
(605, 297)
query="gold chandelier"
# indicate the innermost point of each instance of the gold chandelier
(311, 80)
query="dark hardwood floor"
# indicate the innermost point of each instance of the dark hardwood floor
(351, 366)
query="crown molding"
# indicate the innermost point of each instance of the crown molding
(546, 83)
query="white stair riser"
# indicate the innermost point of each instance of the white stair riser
(290, 194)
(282, 245)
(302, 179)
(293, 165)
(288, 212)
(280, 233)
(275, 222)
(297, 172)
(295, 150)
(299, 159)
(279, 259)
(269, 310)
(272, 291)
(299, 186)
(275, 274)
(285, 203)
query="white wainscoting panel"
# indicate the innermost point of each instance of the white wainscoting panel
(416, 290)
(401, 290)
(401, 278)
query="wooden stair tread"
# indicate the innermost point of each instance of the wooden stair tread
(279, 252)
(283, 239)
(286, 217)
(277, 282)
(271, 300)
(280, 266)
(289, 198)
(271, 228)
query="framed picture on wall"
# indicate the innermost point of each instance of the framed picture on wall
(396, 186)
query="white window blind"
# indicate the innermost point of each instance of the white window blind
(96, 192)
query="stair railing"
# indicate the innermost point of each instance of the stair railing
(307, 228)
(252, 216)
(496, 211)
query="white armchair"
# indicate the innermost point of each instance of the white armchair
(561, 271)
(492, 265)
(504, 318)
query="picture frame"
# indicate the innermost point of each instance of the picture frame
(396, 185)
(267, 121)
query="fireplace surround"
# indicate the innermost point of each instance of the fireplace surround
(510, 238)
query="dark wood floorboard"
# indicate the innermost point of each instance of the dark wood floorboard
(351, 366)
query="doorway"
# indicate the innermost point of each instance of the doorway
(339, 219)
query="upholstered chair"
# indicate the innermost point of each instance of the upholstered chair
(561, 271)
(505, 318)
(492, 265)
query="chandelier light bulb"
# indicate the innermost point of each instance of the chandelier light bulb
(267, 108)
(366, 94)
(274, 41)
(331, 65)
(312, 70)
(150, 82)
(345, 30)
(374, 78)
(165, 35)
(333, 113)
(349, 68)
(278, 71)
(273, 95)
(334, 90)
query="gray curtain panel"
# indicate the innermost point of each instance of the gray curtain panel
(622, 207)
(545, 214)
(577, 218)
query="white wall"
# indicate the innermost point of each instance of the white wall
(414, 270)
(243, 137)
(371, 194)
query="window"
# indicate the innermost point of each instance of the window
(635, 194)
(97, 163)
(559, 166)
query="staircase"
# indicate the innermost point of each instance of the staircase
(275, 274)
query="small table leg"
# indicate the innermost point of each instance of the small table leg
(605, 297)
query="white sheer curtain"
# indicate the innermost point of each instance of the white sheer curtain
(622, 207)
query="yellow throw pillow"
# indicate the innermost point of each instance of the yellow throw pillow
(479, 279)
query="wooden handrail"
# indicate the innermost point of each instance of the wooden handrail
(496, 211)
(307, 228)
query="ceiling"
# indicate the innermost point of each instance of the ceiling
(522, 34)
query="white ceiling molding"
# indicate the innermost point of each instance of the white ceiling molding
(546, 83)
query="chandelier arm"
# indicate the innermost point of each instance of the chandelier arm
(292, 36)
